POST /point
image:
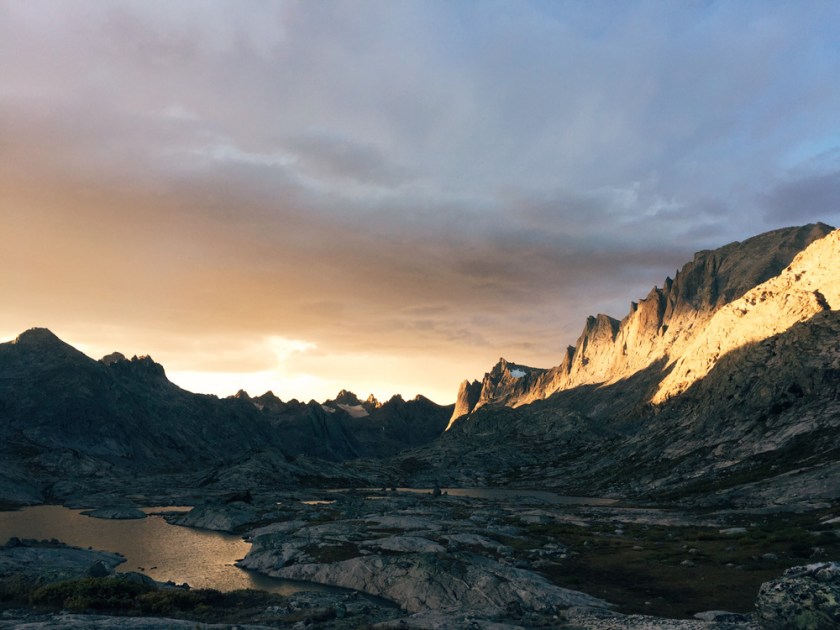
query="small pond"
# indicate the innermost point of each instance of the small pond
(164, 552)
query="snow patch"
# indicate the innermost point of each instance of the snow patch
(517, 373)
(355, 411)
(327, 409)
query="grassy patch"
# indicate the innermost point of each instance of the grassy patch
(125, 597)
(15, 590)
(678, 571)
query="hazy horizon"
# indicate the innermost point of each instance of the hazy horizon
(387, 197)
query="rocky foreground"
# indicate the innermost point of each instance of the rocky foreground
(416, 560)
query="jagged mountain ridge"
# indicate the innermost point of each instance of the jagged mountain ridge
(660, 326)
(62, 412)
(762, 427)
(748, 412)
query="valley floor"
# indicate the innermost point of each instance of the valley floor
(448, 562)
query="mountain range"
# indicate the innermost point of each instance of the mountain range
(722, 385)
(65, 415)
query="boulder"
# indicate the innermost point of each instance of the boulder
(225, 517)
(804, 598)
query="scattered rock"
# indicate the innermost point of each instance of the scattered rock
(53, 561)
(721, 616)
(116, 513)
(99, 569)
(733, 531)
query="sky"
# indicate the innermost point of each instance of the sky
(389, 195)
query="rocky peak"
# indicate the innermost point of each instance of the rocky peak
(500, 369)
(345, 397)
(37, 337)
(661, 326)
(113, 357)
(271, 402)
(143, 367)
(468, 395)
(806, 287)
(717, 277)
(593, 348)
(371, 403)
(507, 383)
(599, 329)
(43, 341)
(39, 346)
(348, 402)
(505, 369)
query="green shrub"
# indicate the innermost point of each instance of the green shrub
(98, 594)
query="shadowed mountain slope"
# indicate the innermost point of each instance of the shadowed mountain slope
(63, 413)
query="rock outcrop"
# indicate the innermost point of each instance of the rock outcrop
(510, 384)
(416, 555)
(804, 598)
(732, 394)
(808, 286)
(662, 327)
(468, 395)
(54, 561)
(118, 513)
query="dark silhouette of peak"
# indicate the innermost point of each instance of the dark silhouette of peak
(39, 349)
(141, 367)
(35, 337)
(272, 403)
(43, 340)
(108, 359)
(345, 397)
(371, 403)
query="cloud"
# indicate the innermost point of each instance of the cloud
(813, 197)
(425, 181)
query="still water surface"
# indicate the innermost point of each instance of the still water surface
(203, 559)
(509, 493)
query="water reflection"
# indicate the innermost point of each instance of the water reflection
(203, 559)
(497, 493)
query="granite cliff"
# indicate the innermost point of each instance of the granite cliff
(721, 386)
(663, 326)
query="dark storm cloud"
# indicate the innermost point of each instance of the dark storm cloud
(814, 197)
(332, 157)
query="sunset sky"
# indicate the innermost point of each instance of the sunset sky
(387, 196)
